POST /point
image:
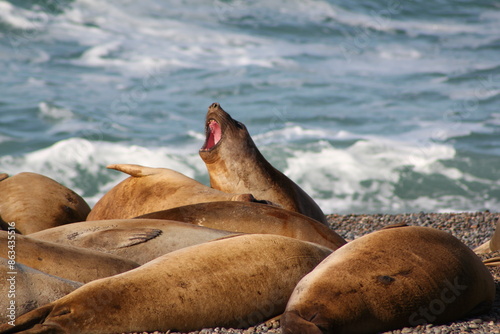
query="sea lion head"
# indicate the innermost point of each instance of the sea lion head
(221, 128)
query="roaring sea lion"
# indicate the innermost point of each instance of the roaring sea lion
(73, 263)
(139, 240)
(232, 282)
(246, 217)
(389, 279)
(235, 165)
(154, 189)
(35, 202)
(24, 289)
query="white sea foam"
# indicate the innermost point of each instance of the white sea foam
(364, 176)
(20, 18)
(360, 178)
(54, 112)
(81, 164)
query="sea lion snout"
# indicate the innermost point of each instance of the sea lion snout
(214, 105)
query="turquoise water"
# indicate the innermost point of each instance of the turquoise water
(371, 106)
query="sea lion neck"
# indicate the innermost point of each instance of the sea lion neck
(229, 147)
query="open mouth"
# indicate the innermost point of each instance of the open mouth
(214, 134)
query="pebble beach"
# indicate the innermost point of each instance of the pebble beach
(471, 228)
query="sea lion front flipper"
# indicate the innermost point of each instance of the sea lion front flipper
(495, 240)
(484, 248)
(134, 170)
(114, 238)
(269, 323)
(493, 262)
(492, 245)
(394, 226)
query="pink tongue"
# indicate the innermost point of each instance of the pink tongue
(215, 134)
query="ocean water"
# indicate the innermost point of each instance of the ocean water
(371, 106)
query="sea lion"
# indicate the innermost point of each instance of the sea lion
(246, 217)
(35, 202)
(73, 263)
(24, 289)
(154, 189)
(235, 282)
(235, 165)
(139, 240)
(389, 279)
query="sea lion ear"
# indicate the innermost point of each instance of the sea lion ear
(492, 245)
(396, 225)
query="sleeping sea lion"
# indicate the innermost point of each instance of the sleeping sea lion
(73, 263)
(247, 217)
(24, 289)
(154, 189)
(390, 279)
(35, 202)
(235, 282)
(139, 240)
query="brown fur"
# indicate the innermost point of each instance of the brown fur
(30, 289)
(153, 189)
(139, 240)
(35, 202)
(235, 165)
(233, 282)
(246, 217)
(76, 264)
(391, 279)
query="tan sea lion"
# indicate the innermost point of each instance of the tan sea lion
(246, 217)
(235, 165)
(389, 279)
(139, 240)
(154, 189)
(24, 289)
(73, 263)
(232, 282)
(35, 202)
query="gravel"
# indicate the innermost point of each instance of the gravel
(473, 229)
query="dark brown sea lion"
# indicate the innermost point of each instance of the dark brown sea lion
(139, 240)
(235, 165)
(72, 263)
(232, 282)
(246, 217)
(154, 189)
(390, 279)
(24, 289)
(35, 202)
